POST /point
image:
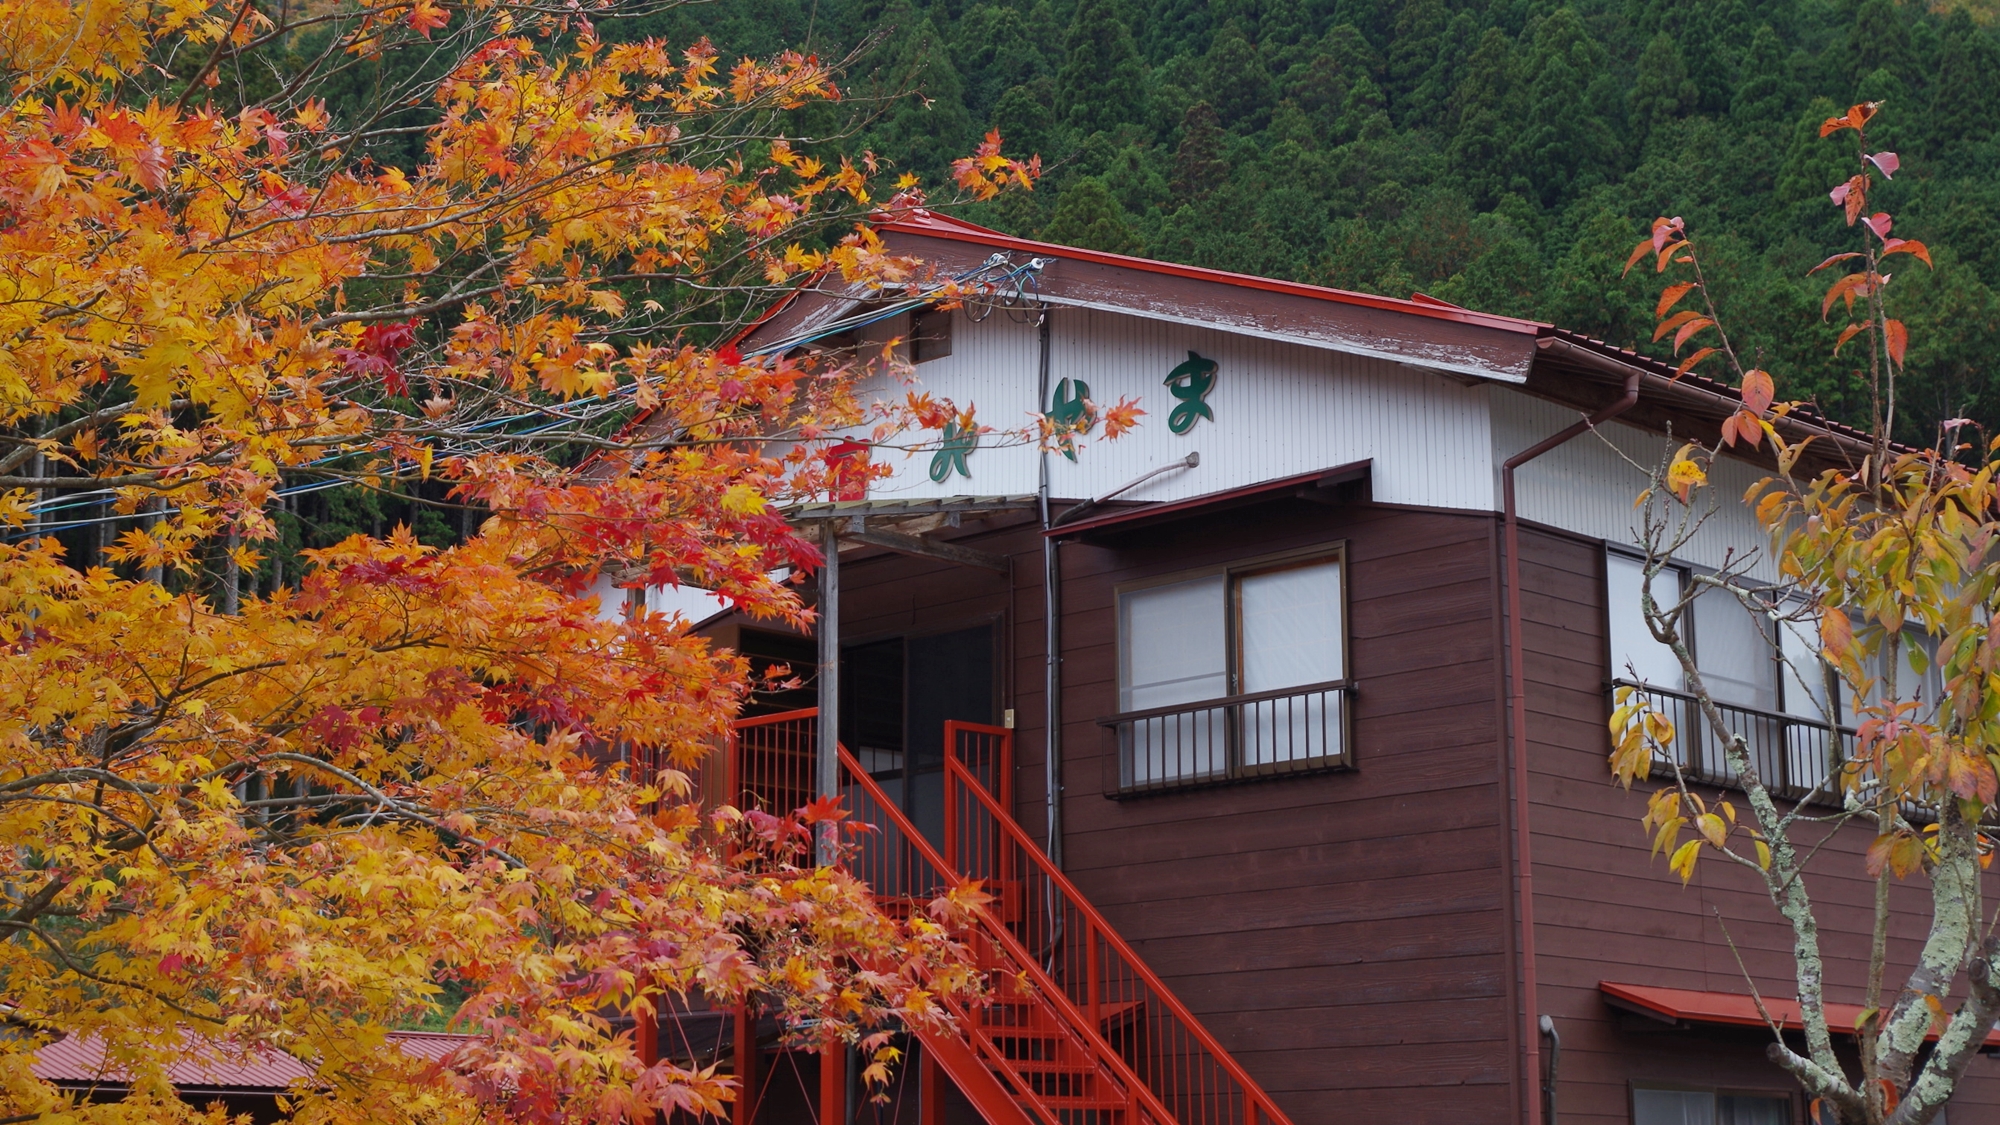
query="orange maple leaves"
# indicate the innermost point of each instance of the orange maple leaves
(400, 770)
(986, 173)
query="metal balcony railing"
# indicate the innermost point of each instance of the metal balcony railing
(1794, 754)
(1261, 734)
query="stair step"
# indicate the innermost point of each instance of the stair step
(1025, 1034)
(1052, 1066)
(1095, 1101)
(1036, 1030)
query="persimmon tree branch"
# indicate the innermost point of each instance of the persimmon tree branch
(1887, 564)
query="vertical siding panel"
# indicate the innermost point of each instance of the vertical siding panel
(1280, 409)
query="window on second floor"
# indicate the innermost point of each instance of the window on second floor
(1734, 649)
(1233, 672)
(1777, 705)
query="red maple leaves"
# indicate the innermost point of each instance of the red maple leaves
(377, 352)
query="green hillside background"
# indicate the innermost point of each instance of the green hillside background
(1503, 155)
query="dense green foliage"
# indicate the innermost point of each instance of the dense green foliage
(1502, 154)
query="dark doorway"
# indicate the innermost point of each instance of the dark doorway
(896, 696)
(950, 677)
(871, 711)
(782, 668)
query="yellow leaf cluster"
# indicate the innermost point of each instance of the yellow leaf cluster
(290, 818)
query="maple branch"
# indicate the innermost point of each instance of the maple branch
(22, 90)
(41, 900)
(63, 955)
(77, 775)
(134, 836)
(74, 426)
(406, 312)
(63, 484)
(215, 56)
(401, 808)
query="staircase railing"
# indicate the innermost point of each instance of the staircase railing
(1115, 1046)
(1163, 1043)
(1036, 1040)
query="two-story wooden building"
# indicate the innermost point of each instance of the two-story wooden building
(1251, 666)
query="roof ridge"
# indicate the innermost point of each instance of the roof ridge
(923, 221)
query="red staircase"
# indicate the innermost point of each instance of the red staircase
(1077, 1031)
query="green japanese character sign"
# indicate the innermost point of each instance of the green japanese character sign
(1190, 384)
(956, 445)
(1069, 413)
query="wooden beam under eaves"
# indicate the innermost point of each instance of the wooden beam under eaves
(925, 548)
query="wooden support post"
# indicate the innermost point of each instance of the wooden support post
(745, 1110)
(646, 1030)
(930, 1090)
(833, 1083)
(826, 745)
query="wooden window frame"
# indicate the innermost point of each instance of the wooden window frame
(1118, 780)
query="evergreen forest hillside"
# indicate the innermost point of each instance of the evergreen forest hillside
(1500, 154)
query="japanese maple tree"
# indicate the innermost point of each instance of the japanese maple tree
(1883, 573)
(294, 817)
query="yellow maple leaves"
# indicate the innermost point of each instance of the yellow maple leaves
(294, 824)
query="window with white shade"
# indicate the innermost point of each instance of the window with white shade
(1232, 672)
(1763, 670)
(1635, 653)
(1173, 649)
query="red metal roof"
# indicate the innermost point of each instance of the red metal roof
(1684, 1005)
(930, 224)
(209, 1065)
(1682, 392)
(1249, 494)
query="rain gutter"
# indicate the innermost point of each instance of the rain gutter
(1518, 720)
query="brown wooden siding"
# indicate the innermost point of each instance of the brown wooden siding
(1606, 910)
(1343, 934)
(1349, 936)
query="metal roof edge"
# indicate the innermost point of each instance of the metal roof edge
(1473, 370)
(1729, 1009)
(930, 224)
(1806, 419)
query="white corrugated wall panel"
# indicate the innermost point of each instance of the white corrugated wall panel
(1280, 409)
(992, 367)
(1585, 486)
